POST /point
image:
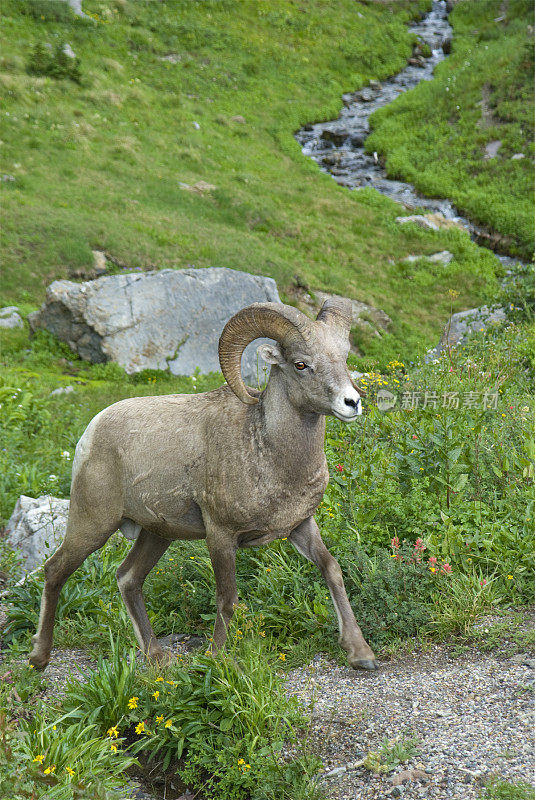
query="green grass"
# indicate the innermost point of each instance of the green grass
(98, 164)
(504, 790)
(435, 135)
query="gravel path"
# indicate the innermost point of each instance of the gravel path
(472, 718)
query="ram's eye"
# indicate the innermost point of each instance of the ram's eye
(300, 365)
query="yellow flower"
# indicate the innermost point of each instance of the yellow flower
(140, 728)
(171, 683)
(239, 634)
(132, 703)
(156, 694)
(262, 634)
(241, 761)
(433, 569)
(69, 770)
(113, 747)
(159, 718)
(113, 731)
(168, 723)
(39, 759)
(159, 679)
(393, 555)
(247, 766)
(509, 577)
(282, 656)
(50, 770)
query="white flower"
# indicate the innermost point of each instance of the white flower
(65, 454)
(52, 477)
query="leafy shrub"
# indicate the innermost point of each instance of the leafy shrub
(55, 64)
(221, 721)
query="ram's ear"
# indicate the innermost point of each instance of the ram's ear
(271, 353)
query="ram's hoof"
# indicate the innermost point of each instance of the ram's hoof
(38, 661)
(365, 663)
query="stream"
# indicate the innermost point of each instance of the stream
(337, 146)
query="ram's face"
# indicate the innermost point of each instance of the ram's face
(316, 375)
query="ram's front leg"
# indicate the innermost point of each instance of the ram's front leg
(222, 549)
(306, 538)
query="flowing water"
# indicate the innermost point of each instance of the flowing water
(338, 145)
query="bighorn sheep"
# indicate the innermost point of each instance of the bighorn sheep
(234, 466)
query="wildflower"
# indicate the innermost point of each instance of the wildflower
(132, 703)
(241, 761)
(39, 759)
(483, 582)
(192, 558)
(156, 694)
(113, 731)
(65, 454)
(393, 555)
(50, 770)
(70, 771)
(419, 546)
(282, 656)
(432, 560)
(159, 718)
(414, 436)
(268, 569)
(509, 577)
(446, 567)
(339, 468)
(159, 679)
(433, 569)
(113, 747)
(395, 543)
(263, 633)
(171, 683)
(168, 723)
(140, 728)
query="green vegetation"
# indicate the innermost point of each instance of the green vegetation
(106, 163)
(503, 790)
(435, 136)
(430, 510)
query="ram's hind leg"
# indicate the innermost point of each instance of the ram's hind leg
(144, 555)
(84, 535)
(306, 538)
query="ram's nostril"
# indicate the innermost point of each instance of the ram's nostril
(352, 403)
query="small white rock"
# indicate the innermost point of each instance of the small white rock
(10, 317)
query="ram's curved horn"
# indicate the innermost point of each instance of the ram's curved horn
(337, 311)
(270, 320)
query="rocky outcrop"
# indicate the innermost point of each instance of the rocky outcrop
(36, 528)
(464, 323)
(167, 319)
(367, 318)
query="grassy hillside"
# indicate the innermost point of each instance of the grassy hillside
(101, 164)
(436, 136)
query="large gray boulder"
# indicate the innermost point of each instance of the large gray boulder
(36, 528)
(167, 319)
